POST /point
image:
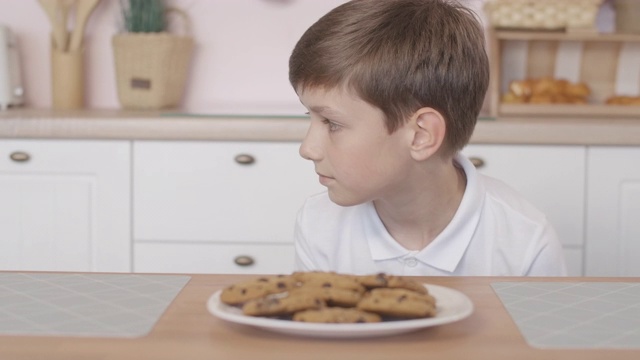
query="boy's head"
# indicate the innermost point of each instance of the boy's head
(400, 56)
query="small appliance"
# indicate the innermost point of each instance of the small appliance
(11, 90)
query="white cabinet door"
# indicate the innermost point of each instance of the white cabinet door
(213, 258)
(552, 178)
(222, 191)
(65, 205)
(613, 212)
(198, 206)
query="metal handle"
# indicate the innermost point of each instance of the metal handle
(244, 260)
(477, 162)
(245, 159)
(20, 156)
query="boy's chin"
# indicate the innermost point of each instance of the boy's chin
(342, 200)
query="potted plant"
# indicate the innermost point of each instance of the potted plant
(151, 63)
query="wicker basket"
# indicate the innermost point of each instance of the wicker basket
(543, 14)
(627, 16)
(151, 69)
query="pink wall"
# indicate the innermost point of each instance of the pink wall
(242, 50)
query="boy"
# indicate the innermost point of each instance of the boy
(393, 89)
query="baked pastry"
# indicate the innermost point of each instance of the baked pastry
(328, 280)
(623, 100)
(390, 281)
(332, 296)
(280, 306)
(336, 315)
(546, 90)
(256, 288)
(403, 293)
(398, 305)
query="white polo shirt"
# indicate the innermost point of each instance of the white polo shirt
(494, 232)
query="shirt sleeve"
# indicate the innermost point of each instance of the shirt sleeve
(303, 257)
(549, 259)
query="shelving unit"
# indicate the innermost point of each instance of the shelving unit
(605, 62)
(564, 36)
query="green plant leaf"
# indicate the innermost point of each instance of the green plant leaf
(144, 15)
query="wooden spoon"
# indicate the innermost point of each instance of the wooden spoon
(83, 11)
(64, 7)
(51, 8)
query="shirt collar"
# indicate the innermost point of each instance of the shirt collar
(448, 248)
(381, 244)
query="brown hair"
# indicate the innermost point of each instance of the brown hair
(400, 55)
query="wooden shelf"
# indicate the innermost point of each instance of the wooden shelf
(564, 36)
(584, 110)
(601, 61)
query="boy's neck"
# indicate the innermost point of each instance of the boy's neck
(414, 222)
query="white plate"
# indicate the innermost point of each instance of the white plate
(452, 305)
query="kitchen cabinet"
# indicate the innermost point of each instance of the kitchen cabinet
(214, 257)
(613, 212)
(229, 207)
(552, 178)
(223, 207)
(225, 200)
(65, 205)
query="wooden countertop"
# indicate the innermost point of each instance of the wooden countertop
(130, 125)
(188, 331)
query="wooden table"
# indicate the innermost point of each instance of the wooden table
(187, 331)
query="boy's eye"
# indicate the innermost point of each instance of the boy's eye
(332, 126)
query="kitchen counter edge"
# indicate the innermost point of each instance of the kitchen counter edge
(147, 125)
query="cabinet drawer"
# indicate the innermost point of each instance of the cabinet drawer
(65, 205)
(551, 177)
(169, 257)
(228, 191)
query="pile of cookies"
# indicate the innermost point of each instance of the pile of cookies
(329, 297)
(546, 90)
(623, 100)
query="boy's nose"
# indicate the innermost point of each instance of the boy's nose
(309, 148)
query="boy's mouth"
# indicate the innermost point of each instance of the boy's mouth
(324, 180)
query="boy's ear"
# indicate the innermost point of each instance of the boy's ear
(428, 130)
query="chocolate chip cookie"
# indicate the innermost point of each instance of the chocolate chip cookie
(397, 304)
(328, 280)
(256, 288)
(332, 296)
(382, 280)
(282, 305)
(336, 315)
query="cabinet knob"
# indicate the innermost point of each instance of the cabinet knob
(245, 159)
(20, 156)
(477, 162)
(244, 260)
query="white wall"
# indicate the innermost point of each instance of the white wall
(241, 57)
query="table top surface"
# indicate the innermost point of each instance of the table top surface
(188, 331)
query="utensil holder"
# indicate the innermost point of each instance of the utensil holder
(67, 79)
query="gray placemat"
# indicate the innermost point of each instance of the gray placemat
(86, 305)
(583, 315)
